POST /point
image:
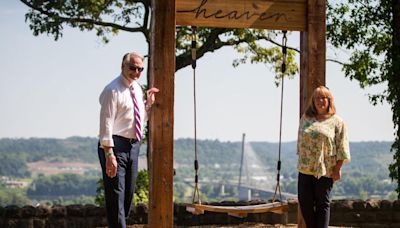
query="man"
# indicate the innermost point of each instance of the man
(122, 115)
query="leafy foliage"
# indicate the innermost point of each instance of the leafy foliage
(371, 30)
(13, 165)
(104, 17)
(365, 29)
(62, 185)
(13, 197)
(142, 188)
(99, 199)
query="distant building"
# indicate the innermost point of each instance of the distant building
(10, 183)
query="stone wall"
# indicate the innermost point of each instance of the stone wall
(72, 216)
(350, 213)
(370, 213)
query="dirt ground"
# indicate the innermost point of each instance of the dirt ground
(244, 225)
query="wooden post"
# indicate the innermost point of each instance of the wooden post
(312, 59)
(312, 51)
(161, 140)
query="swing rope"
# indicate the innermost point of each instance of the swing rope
(196, 193)
(283, 70)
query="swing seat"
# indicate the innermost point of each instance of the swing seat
(239, 211)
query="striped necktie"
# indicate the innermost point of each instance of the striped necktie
(136, 113)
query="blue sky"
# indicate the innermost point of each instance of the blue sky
(50, 89)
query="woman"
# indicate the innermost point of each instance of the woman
(322, 148)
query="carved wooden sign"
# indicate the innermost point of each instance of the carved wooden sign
(263, 14)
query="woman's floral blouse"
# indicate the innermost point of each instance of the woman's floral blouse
(321, 144)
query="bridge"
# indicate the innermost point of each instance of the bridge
(256, 180)
(245, 192)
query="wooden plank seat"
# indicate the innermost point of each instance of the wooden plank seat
(239, 211)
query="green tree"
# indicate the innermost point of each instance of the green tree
(180, 189)
(62, 185)
(363, 195)
(371, 30)
(13, 165)
(392, 196)
(99, 199)
(142, 188)
(13, 197)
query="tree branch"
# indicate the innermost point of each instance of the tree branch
(276, 43)
(336, 61)
(146, 32)
(212, 43)
(84, 20)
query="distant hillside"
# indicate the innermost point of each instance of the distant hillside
(219, 164)
(366, 156)
(50, 149)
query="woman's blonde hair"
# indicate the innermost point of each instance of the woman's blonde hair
(311, 110)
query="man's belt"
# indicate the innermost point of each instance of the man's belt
(130, 140)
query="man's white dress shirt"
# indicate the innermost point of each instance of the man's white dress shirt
(117, 112)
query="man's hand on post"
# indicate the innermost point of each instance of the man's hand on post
(151, 98)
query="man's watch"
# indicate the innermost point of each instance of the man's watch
(109, 153)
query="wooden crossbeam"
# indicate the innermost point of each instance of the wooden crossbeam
(262, 14)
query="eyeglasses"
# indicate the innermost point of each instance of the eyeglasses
(134, 68)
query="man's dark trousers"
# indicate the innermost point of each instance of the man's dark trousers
(119, 189)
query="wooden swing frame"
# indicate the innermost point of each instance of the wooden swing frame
(238, 211)
(262, 14)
